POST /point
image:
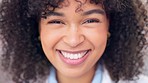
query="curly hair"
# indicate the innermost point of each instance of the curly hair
(23, 54)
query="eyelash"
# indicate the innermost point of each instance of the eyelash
(91, 21)
(55, 22)
(87, 21)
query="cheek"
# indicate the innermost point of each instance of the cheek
(97, 34)
(97, 37)
(49, 37)
(99, 44)
(99, 41)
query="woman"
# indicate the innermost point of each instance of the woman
(73, 41)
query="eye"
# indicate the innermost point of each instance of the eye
(55, 22)
(91, 21)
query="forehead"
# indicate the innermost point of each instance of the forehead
(78, 5)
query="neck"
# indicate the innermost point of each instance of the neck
(86, 78)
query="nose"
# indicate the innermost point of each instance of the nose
(73, 37)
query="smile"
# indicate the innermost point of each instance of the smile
(74, 55)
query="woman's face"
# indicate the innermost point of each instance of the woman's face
(74, 41)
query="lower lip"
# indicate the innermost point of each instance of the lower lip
(73, 61)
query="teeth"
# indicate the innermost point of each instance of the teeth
(73, 55)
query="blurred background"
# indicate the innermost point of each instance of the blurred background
(4, 77)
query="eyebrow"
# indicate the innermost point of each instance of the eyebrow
(94, 11)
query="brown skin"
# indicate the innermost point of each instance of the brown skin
(73, 32)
